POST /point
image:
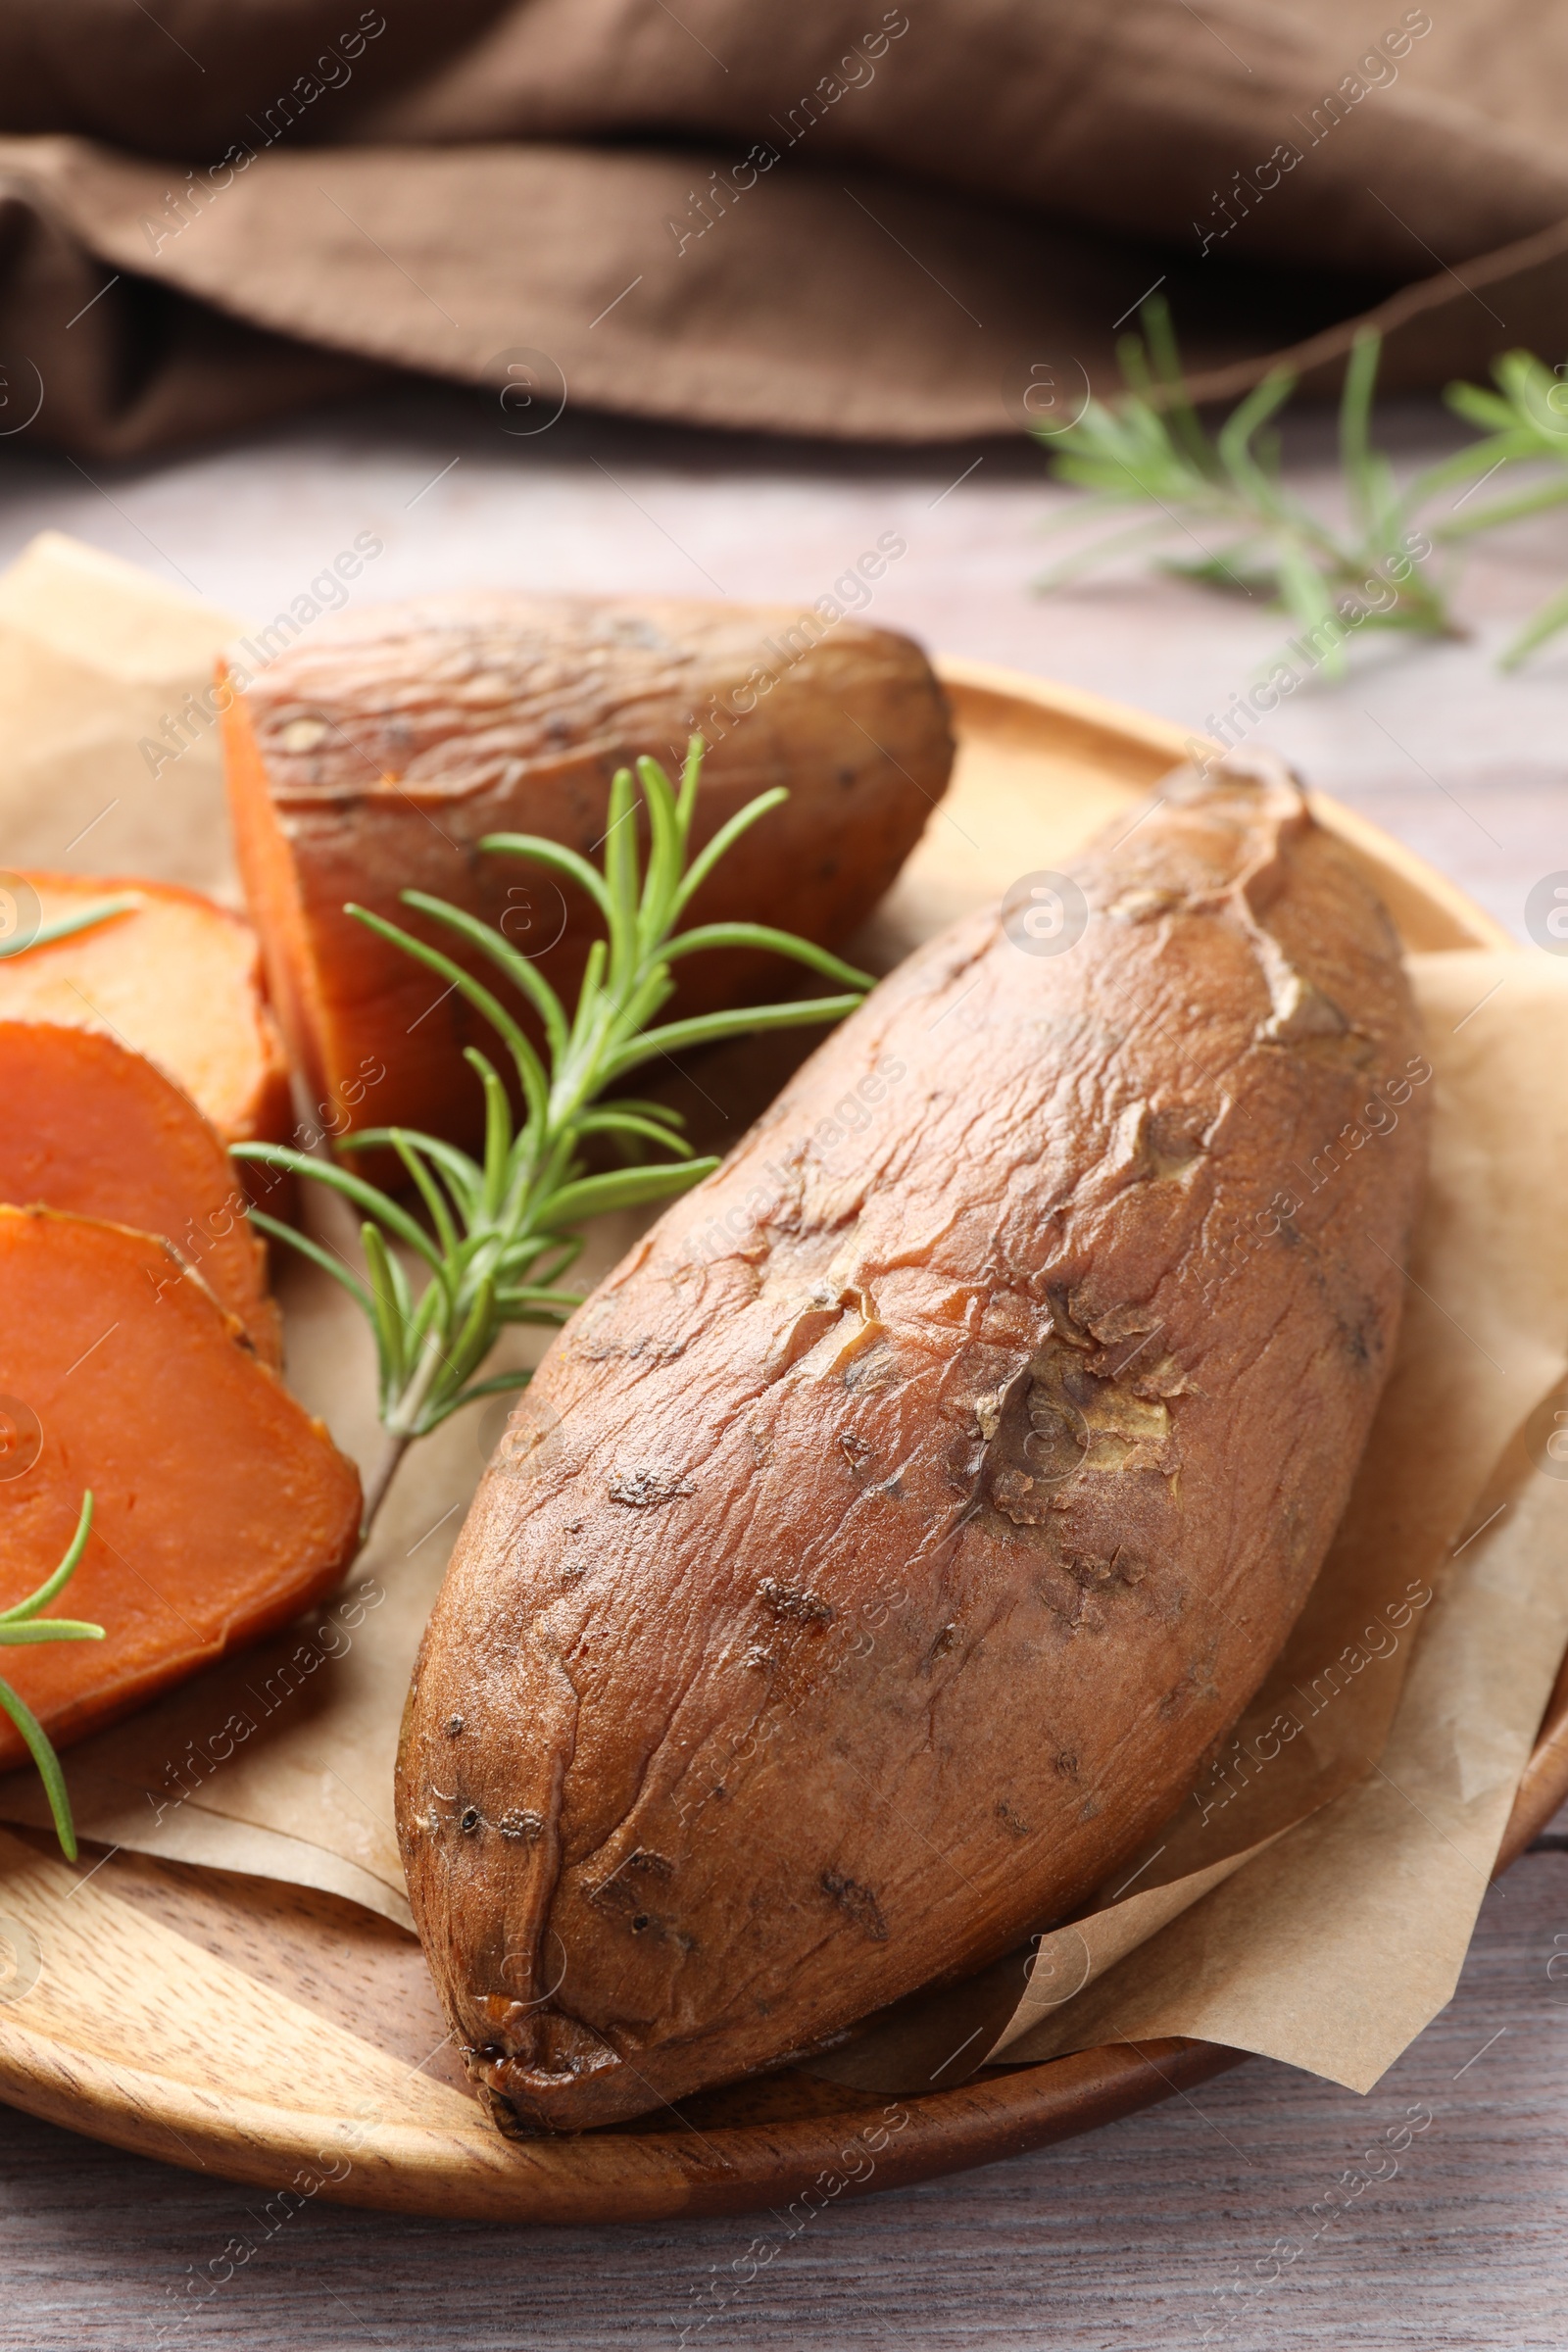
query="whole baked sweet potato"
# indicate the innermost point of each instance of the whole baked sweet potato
(376, 756)
(882, 1544)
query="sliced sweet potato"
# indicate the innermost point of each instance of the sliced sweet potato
(376, 755)
(220, 1507)
(175, 977)
(95, 1129)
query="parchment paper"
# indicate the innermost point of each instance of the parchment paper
(1340, 1942)
(1313, 1895)
(97, 661)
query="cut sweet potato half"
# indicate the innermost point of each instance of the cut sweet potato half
(378, 754)
(94, 1129)
(220, 1507)
(175, 977)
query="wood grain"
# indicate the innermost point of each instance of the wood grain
(1133, 2240)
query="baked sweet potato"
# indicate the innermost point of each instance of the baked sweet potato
(880, 1548)
(220, 1508)
(93, 1128)
(375, 756)
(175, 977)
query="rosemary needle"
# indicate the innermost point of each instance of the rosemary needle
(16, 941)
(22, 1623)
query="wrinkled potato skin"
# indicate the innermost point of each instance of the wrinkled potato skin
(375, 755)
(883, 1544)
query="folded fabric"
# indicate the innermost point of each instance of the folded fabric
(921, 221)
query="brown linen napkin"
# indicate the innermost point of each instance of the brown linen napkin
(910, 223)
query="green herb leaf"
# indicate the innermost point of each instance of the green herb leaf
(1525, 422)
(1151, 449)
(22, 1623)
(66, 926)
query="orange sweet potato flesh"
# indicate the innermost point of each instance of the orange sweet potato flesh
(94, 1129)
(374, 756)
(882, 1546)
(220, 1508)
(177, 978)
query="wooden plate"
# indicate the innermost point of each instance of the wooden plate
(276, 2035)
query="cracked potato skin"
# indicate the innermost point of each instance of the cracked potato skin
(880, 1548)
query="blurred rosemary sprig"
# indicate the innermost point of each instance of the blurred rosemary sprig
(1525, 422)
(500, 1232)
(16, 939)
(1151, 449)
(21, 1624)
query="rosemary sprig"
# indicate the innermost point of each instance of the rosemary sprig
(499, 1232)
(22, 1623)
(66, 926)
(1152, 449)
(1525, 422)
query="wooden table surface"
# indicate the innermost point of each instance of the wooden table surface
(1238, 2217)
